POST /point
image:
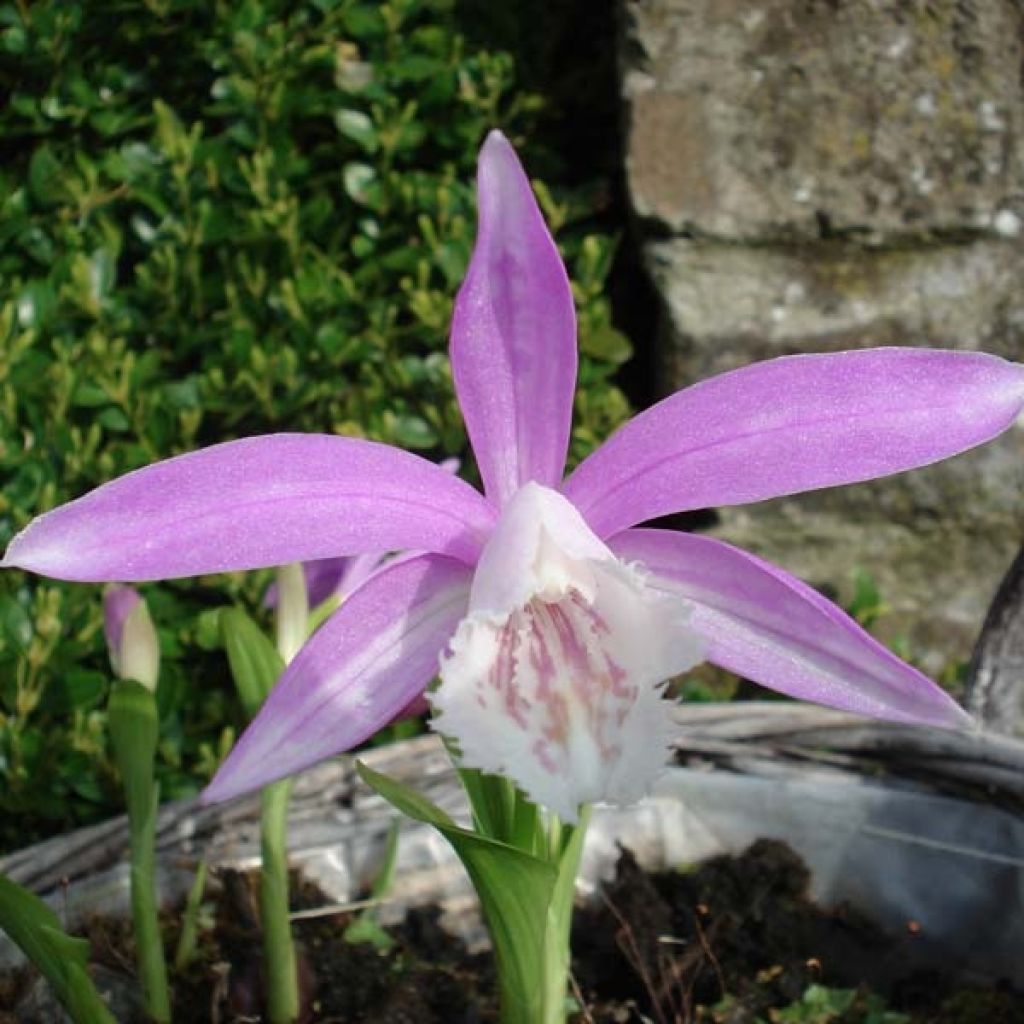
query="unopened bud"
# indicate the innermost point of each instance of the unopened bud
(131, 636)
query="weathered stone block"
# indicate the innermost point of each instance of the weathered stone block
(813, 176)
(726, 305)
(758, 119)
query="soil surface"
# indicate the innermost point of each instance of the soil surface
(734, 941)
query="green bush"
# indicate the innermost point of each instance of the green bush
(217, 220)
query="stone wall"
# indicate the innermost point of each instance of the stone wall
(814, 175)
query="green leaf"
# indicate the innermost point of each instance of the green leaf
(866, 605)
(14, 40)
(386, 875)
(36, 304)
(80, 689)
(515, 891)
(606, 343)
(561, 908)
(15, 623)
(366, 927)
(358, 127)
(84, 1003)
(414, 432)
(61, 958)
(255, 663)
(190, 920)
(89, 395)
(114, 420)
(361, 185)
(364, 21)
(412, 804)
(822, 1005)
(45, 176)
(27, 919)
(499, 810)
(368, 931)
(183, 394)
(208, 636)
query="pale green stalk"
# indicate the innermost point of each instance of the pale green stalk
(132, 718)
(278, 945)
(145, 916)
(556, 937)
(256, 666)
(292, 622)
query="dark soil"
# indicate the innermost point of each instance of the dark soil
(735, 941)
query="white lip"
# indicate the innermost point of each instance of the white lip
(554, 677)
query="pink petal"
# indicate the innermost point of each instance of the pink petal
(257, 502)
(513, 342)
(768, 626)
(357, 672)
(794, 424)
(327, 577)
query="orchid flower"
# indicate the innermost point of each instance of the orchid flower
(553, 620)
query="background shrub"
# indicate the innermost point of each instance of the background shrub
(216, 220)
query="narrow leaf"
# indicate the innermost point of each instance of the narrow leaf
(190, 920)
(515, 891)
(84, 1003)
(60, 957)
(255, 662)
(366, 927)
(412, 804)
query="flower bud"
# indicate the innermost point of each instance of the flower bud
(131, 636)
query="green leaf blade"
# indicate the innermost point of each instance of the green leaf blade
(61, 958)
(515, 890)
(255, 663)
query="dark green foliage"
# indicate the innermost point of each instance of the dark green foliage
(219, 219)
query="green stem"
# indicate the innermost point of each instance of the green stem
(546, 1001)
(566, 853)
(145, 919)
(278, 948)
(132, 720)
(502, 812)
